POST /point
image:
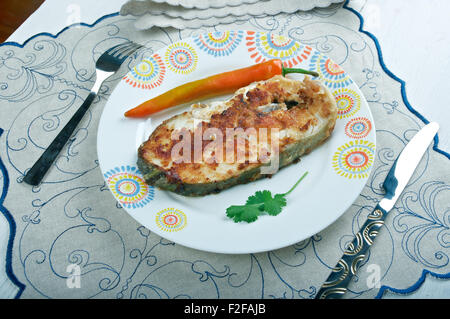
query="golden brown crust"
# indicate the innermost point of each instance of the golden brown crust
(299, 107)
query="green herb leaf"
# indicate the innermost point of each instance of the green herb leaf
(269, 204)
(243, 213)
(275, 206)
(260, 202)
(259, 198)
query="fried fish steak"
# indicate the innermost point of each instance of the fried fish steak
(218, 145)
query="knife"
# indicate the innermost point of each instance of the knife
(399, 175)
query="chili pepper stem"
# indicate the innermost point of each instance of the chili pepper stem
(294, 70)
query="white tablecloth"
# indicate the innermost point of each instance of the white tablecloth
(413, 35)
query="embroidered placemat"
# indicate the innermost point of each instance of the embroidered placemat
(71, 223)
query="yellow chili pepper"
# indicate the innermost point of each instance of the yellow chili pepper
(219, 84)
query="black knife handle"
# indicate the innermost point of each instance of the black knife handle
(336, 284)
(36, 173)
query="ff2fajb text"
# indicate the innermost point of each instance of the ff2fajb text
(232, 308)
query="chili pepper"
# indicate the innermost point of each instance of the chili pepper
(223, 83)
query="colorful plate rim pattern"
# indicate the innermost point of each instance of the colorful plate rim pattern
(350, 159)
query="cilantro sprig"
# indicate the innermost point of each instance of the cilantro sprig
(259, 203)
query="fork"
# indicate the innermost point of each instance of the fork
(108, 64)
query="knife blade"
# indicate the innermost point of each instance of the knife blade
(398, 177)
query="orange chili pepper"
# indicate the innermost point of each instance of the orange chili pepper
(223, 83)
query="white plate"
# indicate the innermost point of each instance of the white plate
(338, 169)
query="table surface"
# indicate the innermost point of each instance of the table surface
(14, 13)
(413, 35)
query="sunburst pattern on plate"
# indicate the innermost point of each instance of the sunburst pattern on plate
(181, 57)
(219, 43)
(129, 187)
(148, 74)
(348, 102)
(330, 73)
(267, 46)
(354, 159)
(358, 127)
(171, 220)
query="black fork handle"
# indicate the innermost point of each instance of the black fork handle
(36, 173)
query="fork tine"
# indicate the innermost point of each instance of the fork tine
(114, 49)
(124, 48)
(126, 52)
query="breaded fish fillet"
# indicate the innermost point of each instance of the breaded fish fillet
(215, 146)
